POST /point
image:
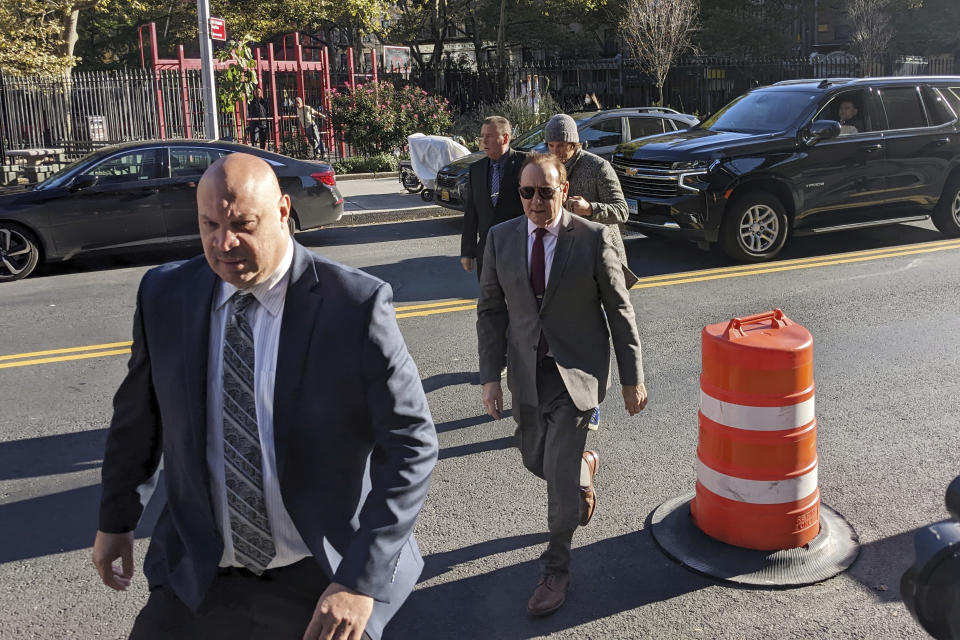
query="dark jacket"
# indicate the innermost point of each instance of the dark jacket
(354, 440)
(480, 214)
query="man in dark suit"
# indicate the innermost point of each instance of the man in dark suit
(493, 195)
(557, 280)
(295, 434)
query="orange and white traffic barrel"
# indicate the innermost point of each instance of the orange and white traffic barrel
(757, 454)
(755, 516)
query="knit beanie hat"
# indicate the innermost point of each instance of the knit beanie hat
(561, 128)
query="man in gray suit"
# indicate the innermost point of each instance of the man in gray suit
(550, 276)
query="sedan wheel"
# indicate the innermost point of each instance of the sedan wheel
(754, 228)
(18, 252)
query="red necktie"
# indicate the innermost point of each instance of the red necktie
(538, 280)
(538, 266)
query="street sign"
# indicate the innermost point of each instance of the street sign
(218, 29)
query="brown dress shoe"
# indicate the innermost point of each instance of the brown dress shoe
(550, 595)
(588, 495)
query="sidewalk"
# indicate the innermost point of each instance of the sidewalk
(380, 200)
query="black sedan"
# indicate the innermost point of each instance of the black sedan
(137, 194)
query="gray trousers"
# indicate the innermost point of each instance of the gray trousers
(551, 438)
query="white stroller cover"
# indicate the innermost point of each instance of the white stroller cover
(429, 154)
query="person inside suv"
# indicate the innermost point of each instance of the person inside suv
(849, 117)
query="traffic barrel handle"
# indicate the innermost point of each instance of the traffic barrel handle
(778, 321)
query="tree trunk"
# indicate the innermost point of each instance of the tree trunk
(500, 43)
(69, 31)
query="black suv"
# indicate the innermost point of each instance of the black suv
(802, 157)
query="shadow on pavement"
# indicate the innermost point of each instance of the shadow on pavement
(52, 455)
(882, 563)
(61, 522)
(442, 380)
(609, 577)
(477, 447)
(427, 278)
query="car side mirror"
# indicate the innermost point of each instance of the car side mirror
(822, 130)
(585, 144)
(84, 182)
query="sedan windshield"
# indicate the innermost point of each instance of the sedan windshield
(531, 140)
(61, 177)
(760, 112)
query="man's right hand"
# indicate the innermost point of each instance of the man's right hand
(492, 396)
(107, 547)
(468, 263)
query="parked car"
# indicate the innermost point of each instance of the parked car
(801, 157)
(139, 194)
(600, 132)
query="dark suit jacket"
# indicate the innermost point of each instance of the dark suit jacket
(355, 443)
(480, 214)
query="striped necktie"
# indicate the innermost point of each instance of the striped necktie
(494, 181)
(243, 468)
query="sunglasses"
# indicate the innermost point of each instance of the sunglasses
(546, 193)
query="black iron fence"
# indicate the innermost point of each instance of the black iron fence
(81, 111)
(694, 85)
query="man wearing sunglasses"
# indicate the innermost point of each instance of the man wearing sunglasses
(557, 351)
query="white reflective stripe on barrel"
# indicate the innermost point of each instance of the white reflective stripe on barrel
(757, 491)
(740, 416)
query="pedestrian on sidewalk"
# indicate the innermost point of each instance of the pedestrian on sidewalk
(257, 115)
(557, 350)
(306, 116)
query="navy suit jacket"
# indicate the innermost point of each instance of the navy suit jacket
(355, 443)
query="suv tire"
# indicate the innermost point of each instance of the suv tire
(754, 227)
(946, 217)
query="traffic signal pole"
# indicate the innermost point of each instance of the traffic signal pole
(211, 123)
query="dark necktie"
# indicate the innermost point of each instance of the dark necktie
(242, 457)
(495, 182)
(538, 281)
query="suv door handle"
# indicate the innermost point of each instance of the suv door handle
(872, 148)
(941, 141)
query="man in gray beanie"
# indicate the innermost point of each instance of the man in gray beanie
(595, 191)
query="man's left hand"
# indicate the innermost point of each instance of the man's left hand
(579, 206)
(634, 398)
(341, 614)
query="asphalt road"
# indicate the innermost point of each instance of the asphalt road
(887, 343)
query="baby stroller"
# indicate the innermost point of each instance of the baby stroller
(428, 154)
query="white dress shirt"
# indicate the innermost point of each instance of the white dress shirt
(265, 318)
(549, 245)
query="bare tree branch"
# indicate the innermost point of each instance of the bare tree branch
(871, 32)
(657, 31)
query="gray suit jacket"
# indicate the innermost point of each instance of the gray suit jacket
(585, 293)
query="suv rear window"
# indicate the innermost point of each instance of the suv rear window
(903, 107)
(953, 97)
(760, 112)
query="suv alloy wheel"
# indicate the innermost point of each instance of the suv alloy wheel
(946, 217)
(754, 228)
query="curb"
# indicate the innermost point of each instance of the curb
(384, 216)
(379, 175)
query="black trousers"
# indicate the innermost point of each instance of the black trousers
(551, 438)
(239, 605)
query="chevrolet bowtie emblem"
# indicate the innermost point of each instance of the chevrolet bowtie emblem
(631, 171)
